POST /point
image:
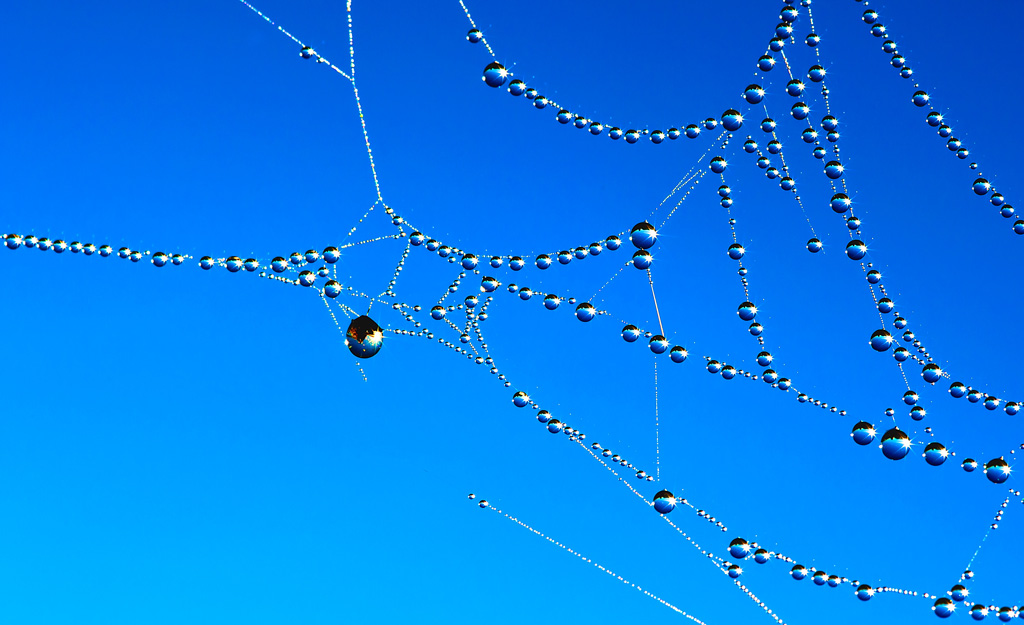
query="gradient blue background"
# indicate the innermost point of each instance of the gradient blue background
(188, 446)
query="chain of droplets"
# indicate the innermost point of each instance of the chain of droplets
(968, 574)
(496, 75)
(307, 52)
(160, 258)
(856, 249)
(784, 170)
(720, 563)
(658, 343)
(59, 246)
(959, 592)
(788, 14)
(486, 505)
(882, 340)
(921, 99)
(742, 550)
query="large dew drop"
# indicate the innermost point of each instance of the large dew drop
(364, 337)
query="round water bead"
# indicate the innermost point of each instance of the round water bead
(766, 63)
(543, 261)
(819, 578)
(754, 94)
(642, 259)
(895, 444)
(307, 278)
(863, 433)
(910, 398)
(943, 607)
(664, 502)
(643, 235)
(834, 170)
(516, 263)
(234, 264)
(920, 98)
(332, 288)
(935, 454)
(736, 251)
(554, 426)
(747, 311)
(732, 120)
(764, 359)
(718, 164)
(931, 373)
(658, 344)
(469, 261)
(474, 36)
(798, 572)
(692, 131)
(678, 354)
(997, 470)
(495, 74)
(856, 249)
(521, 399)
(881, 340)
(761, 556)
(613, 242)
(630, 333)
(969, 465)
(586, 311)
(551, 301)
(800, 111)
(517, 87)
(865, 592)
(814, 245)
(739, 548)
(364, 337)
(206, 262)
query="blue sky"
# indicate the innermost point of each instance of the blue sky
(182, 445)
